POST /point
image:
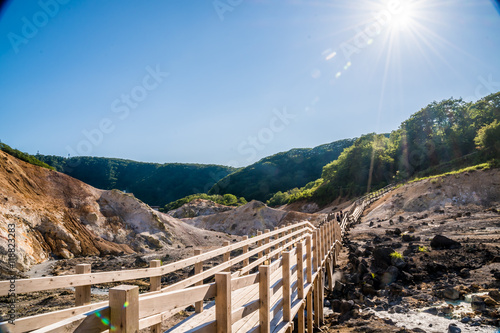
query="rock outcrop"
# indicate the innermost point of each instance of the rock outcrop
(198, 207)
(55, 215)
(247, 219)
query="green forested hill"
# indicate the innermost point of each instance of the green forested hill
(280, 172)
(442, 136)
(155, 184)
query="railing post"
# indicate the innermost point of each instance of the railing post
(82, 293)
(198, 268)
(301, 320)
(226, 256)
(155, 281)
(155, 285)
(266, 241)
(277, 256)
(316, 300)
(259, 243)
(223, 307)
(309, 266)
(315, 250)
(300, 270)
(309, 308)
(246, 261)
(124, 309)
(265, 298)
(287, 292)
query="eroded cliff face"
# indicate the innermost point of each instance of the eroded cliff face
(56, 215)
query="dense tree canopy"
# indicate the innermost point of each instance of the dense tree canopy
(443, 133)
(155, 184)
(280, 172)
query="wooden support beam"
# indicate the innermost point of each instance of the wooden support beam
(223, 306)
(124, 309)
(82, 293)
(316, 301)
(329, 272)
(301, 325)
(198, 268)
(246, 261)
(287, 291)
(300, 270)
(321, 293)
(265, 298)
(309, 308)
(155, 285)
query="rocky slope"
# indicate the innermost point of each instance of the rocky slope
(425, 256)
(247, 219)
(58, 216)
(198, 207)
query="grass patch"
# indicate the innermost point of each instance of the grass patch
(423, 249)
(396, 255)
(483, 166)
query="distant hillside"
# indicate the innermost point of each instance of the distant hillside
(155, 184)
(280, 172)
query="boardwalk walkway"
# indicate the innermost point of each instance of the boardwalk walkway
(262, 284)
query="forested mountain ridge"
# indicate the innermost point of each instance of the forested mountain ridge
(280, 172)
(155, 184)
(440, 137)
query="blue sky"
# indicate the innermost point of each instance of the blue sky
(232, 81)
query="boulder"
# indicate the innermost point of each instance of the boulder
(390, 275)
(442, 242)
(382, 256)
(453, 328)
(477, 304)
(451, 293)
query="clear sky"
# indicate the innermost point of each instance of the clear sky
(232, 81)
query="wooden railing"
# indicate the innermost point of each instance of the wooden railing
(306, 255)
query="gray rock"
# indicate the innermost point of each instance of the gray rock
(442, 242)
(477, 303)
(454, 329)
(451, 293)
(390, 275)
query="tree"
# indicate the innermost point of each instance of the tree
(488, 139)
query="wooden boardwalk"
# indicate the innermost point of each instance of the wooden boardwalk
(275, 277)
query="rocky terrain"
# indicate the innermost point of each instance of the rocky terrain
(59, 217)
(424, 258)
(247, 219)
(198, 207)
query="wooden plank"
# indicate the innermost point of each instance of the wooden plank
(46, 319)
(198, 268)
(244, 281)
(82, 293)
(158, 303)
(124, 309)
(260, 243)
(264, 299)
(245, 310)
(223, 306)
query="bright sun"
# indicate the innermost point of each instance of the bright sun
(403, 18)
